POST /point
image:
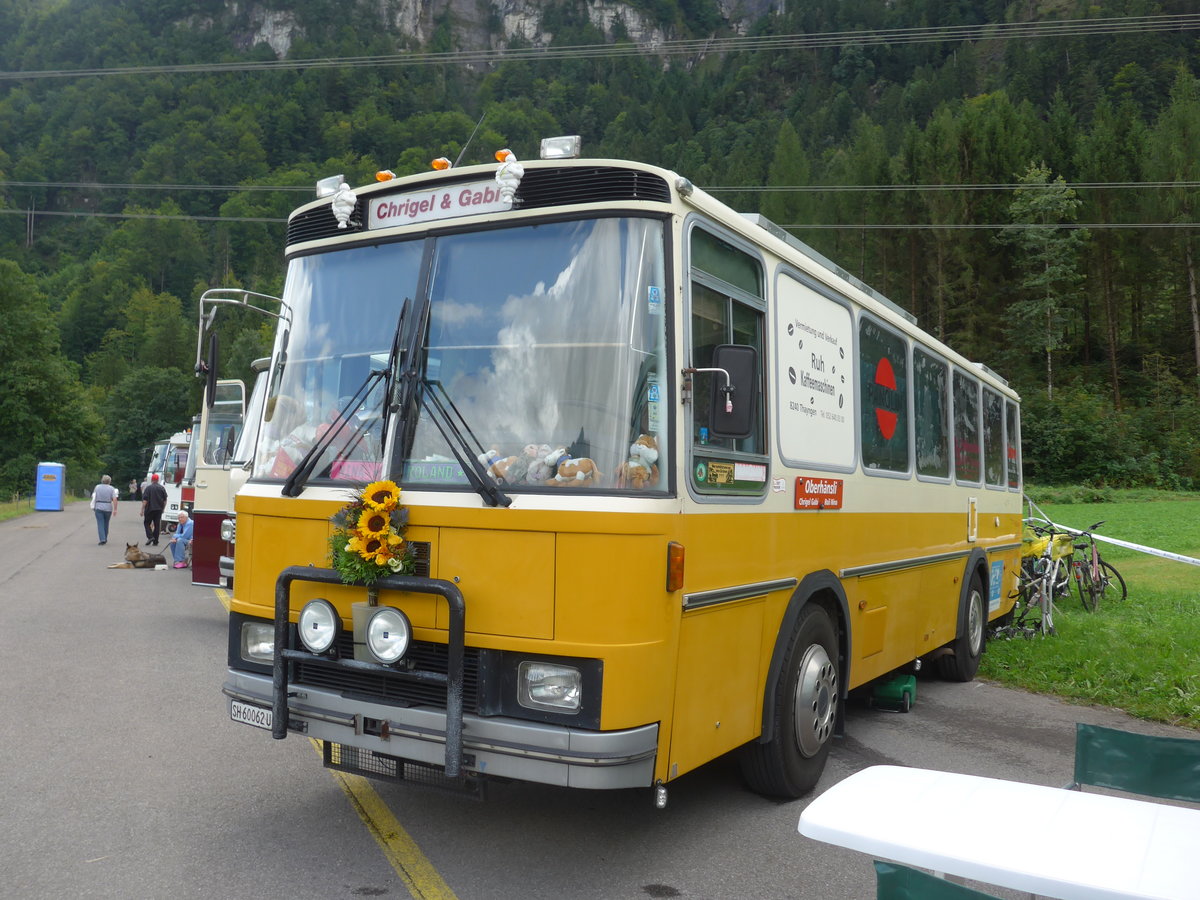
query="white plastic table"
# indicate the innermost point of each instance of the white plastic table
(1048, 841)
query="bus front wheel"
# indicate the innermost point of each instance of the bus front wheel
(805, 707)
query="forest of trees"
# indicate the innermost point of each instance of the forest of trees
(1032, 200)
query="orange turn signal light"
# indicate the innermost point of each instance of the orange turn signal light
(674, 566)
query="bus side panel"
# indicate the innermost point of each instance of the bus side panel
(900, 616)
(611, 603)
(720, 656)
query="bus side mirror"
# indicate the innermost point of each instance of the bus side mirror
(734, 396)
(210, 376)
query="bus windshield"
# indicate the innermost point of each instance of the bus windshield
(243, 449)
(545, 346)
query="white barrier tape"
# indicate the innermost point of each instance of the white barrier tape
(1165, 554)
(1140, 548)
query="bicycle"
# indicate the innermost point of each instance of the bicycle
(1095, 578)
(1046, 557)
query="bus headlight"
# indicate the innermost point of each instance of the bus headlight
(318, 625)
(258, 642)
(549, 686)
(228, 530)
(389, 634)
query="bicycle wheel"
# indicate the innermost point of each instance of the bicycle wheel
(1112, 585)
(1089, 592)
(1041, 603)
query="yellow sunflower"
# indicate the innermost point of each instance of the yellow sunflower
(383, 496)
(373, 523)
(374, 548)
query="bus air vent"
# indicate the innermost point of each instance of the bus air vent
(420, 555)
(315, 224)
(601, 184)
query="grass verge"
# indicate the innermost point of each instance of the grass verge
(1142, 655)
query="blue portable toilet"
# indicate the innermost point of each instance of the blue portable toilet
(51, 484)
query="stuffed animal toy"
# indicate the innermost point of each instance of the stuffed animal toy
(641, 469)
(571, 472)
(540, 470)
(495, 464)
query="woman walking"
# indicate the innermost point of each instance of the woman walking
(104, 502)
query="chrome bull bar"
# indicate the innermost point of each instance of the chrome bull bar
(452, 679)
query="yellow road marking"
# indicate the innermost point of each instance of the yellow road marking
(223, 596)
(400, 850)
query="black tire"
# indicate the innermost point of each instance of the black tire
(1089, 592)
(967, 647)
(1112, 585)
(806, 708)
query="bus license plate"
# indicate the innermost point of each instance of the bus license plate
(250, 715)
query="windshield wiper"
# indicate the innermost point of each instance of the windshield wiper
(299, 476)
(447, 418)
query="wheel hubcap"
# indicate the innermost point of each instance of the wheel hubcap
(975, 623)
(816, 700)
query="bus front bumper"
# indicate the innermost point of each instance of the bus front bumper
(492, 745)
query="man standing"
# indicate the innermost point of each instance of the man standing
(154, 501)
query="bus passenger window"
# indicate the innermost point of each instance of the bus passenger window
(993, 439)
(1012, 441)
(883, 381)
(966, 428)
(931, 397)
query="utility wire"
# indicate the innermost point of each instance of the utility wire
(869, 38)
(727, 188)
(797, 226)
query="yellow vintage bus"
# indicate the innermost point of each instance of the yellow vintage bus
(675, 485)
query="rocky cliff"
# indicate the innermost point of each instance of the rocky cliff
(478, 24)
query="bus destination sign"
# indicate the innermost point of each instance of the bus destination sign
(469, 199)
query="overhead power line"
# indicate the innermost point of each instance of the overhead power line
(89, 214)
(796, 227)
(720, 189)
(745, 43)
(109, 186)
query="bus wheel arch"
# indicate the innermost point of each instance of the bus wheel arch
(803, 703)
(970, 636)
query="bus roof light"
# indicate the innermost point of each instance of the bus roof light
(567, 146)
(385, 175)
(441, 164)
(674, 566)
(327, 187)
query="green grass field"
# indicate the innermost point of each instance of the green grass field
(1142, 655)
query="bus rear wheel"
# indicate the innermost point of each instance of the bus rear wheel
(968, 644)
(805, 706)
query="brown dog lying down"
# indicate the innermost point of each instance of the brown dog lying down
(136, 558)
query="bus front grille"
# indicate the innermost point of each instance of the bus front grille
(380, 687)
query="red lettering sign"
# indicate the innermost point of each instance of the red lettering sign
(818, 493)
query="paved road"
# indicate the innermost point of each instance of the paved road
(123, 776)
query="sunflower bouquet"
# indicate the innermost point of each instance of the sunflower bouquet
(368, 536)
